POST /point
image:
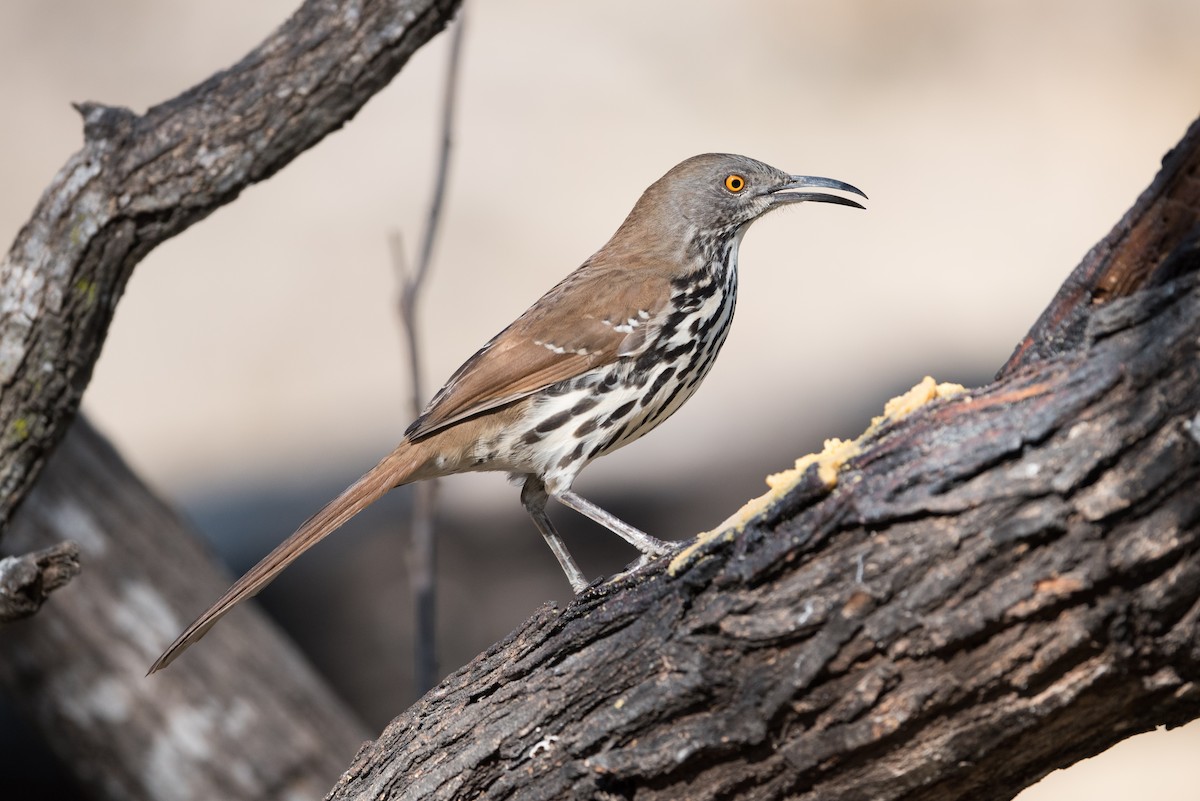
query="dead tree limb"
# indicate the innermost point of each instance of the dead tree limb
(141, 179)
(1147, 247)
(978, 591)
(26, 581)
(78, 666)
(422, 550)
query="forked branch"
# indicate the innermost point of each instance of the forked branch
(141, 179)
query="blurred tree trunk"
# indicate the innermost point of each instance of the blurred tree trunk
(246, 719)
(983, 588)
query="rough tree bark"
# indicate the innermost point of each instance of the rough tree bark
(991, 587)
(978, 591)
(26, 581)
(141, 179)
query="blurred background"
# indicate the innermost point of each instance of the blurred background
(255, 365)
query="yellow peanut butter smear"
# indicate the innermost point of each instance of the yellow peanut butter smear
(829, 463)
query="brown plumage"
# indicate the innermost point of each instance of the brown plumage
(603, 357)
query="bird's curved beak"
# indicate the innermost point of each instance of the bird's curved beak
(784, 194)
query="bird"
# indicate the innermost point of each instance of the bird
(606, 355)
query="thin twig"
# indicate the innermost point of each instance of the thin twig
(423, 553)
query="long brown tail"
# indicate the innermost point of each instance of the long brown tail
(395, 469)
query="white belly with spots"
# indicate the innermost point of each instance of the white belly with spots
(609, 407)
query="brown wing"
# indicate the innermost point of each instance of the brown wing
(578, 325)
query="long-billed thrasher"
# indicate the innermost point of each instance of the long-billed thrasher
(603, 357)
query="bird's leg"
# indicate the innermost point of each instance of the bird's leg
(533, 496)
(651, 546)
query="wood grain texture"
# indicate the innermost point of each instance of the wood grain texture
(141, 179)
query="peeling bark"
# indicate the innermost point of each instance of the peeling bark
(141, 179)
(994, 586)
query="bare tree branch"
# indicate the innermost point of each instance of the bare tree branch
(422, 551)
(988, 585)
(981, 589)
(1137, 253)
(26, 581)
(422, 563)
(78, 667)
(141, 179)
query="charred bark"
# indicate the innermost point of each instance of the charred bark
(985, 587)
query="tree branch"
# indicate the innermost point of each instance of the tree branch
(141, 179)
(1134, 255)
(26, 581)
(78, 667)
(422, 561)
(988, 585)
(983, 588)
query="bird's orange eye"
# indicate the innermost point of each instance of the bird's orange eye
(735, 183)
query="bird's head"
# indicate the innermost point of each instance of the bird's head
(720, 193)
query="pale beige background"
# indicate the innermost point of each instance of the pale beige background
(998, 141)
